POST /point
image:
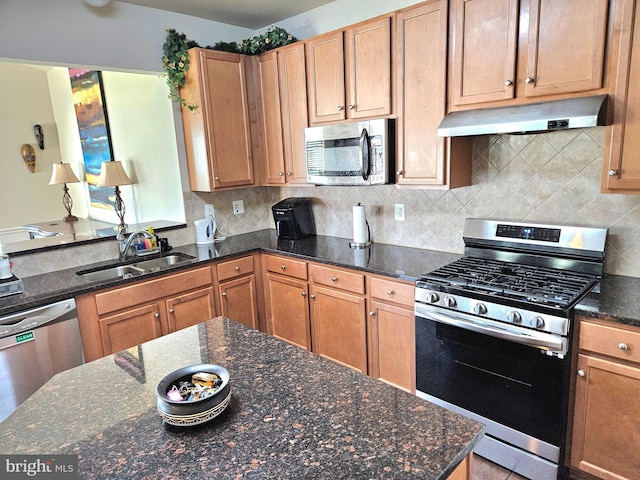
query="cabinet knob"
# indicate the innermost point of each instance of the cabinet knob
(623, 346)
(304, 294)
(581, 373)
(399, 172)
(237, 269)
(171, 310)
(216, 178)
(529, 80)
(372, 314)
(613, 173)
(283, 267)
(340, 108)
(508, 83)
(289, 174)
(334, 279)
(390, 292)
(280, 174)
(312, 296)
(157, 315)
(352, 107)
(224, 294)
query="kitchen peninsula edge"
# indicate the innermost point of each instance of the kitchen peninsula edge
(292, 414)
(614, 298)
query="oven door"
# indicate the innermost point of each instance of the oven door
(491, 375)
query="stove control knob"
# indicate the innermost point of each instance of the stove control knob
(514, 317)
(537, 321)
(433, 297)
(480, 309)
(450, 301)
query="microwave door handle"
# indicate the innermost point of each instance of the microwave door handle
(365, 154)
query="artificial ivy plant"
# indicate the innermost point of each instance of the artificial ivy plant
(175, 58)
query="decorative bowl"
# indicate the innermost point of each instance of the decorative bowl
(195, 412)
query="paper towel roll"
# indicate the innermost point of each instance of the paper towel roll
(360, 230)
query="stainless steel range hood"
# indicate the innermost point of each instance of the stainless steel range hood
(534, 117)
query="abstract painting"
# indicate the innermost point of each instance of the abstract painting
(95, 138)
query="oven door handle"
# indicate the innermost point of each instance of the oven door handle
(532, 338)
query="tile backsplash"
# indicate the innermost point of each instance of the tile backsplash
(545, 178)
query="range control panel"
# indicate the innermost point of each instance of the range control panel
(543, 234)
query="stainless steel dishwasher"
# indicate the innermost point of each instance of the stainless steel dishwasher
(35, 345)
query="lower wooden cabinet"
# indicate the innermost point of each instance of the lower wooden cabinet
(605, 437)
(237, 290)
(189, 309)
(131, 327)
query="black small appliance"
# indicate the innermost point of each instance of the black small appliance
(293, 218)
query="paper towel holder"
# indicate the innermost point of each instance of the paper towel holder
(366, 244)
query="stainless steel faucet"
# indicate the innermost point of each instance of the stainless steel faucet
(124, 245)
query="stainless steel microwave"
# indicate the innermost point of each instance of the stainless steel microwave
(355, 153)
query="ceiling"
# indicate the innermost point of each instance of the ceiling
(252, 14)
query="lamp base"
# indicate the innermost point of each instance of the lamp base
(70, 218)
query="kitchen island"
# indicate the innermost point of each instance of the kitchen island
(292, 414)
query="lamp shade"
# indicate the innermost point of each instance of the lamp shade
(62, 173)
(112, 175)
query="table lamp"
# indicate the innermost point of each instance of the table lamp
(63, 174)
(113, 175)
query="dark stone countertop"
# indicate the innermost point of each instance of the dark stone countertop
(292, 415)
(614, 299)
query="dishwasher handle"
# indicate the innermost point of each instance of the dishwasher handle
(26, 320)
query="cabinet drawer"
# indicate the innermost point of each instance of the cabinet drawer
(286, 266)
(331, 277)
(138, 293)
(391, 291)
(611, 341)
(234, 268)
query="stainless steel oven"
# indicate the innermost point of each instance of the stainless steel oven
(493, 335)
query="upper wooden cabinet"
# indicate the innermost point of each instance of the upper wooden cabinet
(423, 158)
(284, 116)
(217, 133)
(349, 72)
(508, 49)
(621, 166)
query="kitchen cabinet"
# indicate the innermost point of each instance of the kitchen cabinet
(391, 332)
(284, 114)
(537, 48)
(349, 72)
(338, 315)
(423, 158)
(606, 418)
(287, 300)
(217, 133)
(118, 318)
(621, 166)
(237, 290)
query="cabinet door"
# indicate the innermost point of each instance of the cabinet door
(484, 42)
(271, 118)
(368, 69)
(621, 166)
(566, 46)
(238, 300)
(325, 78)
(392, 345)
(423, 158)
(338, 327)
(295, 118)
(288, 310)
(135, 326)
(189, 309)
(606, 425)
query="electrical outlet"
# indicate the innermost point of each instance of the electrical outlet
(208, 211)
(399, 212)
(238, 207)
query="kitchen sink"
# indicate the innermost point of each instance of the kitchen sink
(113, 272)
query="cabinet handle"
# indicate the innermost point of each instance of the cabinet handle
(390, 292)
(529, 80)
(334, 279)
(280, 174)
(508, 83)
(613, 173)
(581, 373)
(304, 294)
(224, 294)
(283, 267)
(237, 269)
(340, 108)
(623, 346)
(352, 107)
(312, 296)
(171, 310)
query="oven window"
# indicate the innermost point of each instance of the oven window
(512, 384)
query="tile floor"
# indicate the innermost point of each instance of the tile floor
(485, 470)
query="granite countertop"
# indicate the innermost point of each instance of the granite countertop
(614, 298)
(292, 414)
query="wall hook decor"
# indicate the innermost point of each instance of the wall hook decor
(37, 130)
(29, 156)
